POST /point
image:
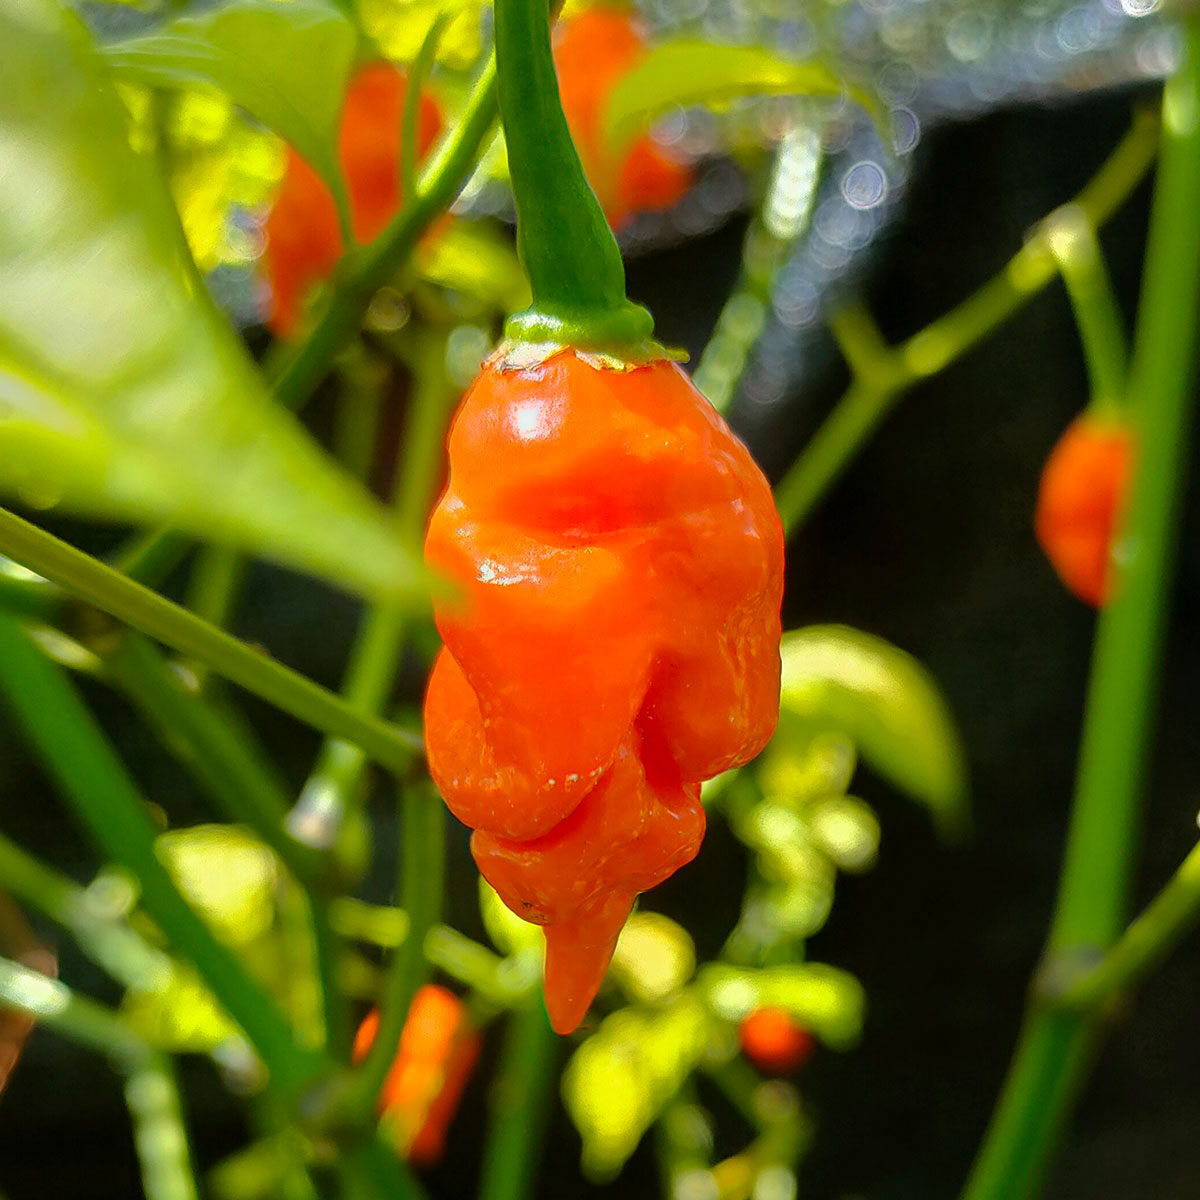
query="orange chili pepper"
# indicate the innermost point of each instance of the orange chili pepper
(592, 52)
(774, 1042)
(622, 564)
(437, 1053)
(1082, 490)
(303, 239)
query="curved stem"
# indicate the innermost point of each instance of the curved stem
(173, 625)
(573, 261)
(1147, 941)
(110, 943)
(1073, 242)
(1054, 1050)
(897, 369)
(519, 1102)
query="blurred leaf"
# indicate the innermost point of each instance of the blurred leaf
(228, 875)
(888, 704)
(399, 27)
(509, 934)
(689, 72)
(178, 1014)
(472, 257)
(654, 957)
(618, 1081)
(286, 63)
(123, 393)
(800, 767)
(823, 999)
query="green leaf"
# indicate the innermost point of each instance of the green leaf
(841, 679)
(124, 394)
(825, 1000)
(471, 257)
(618, 1081)
(286, 63)
(687, 72)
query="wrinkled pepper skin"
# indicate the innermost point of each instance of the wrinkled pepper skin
(303, 240)
(616, 642)
(437, 1053)
(592, 52)
(1080, 498)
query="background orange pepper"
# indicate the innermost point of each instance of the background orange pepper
(437, 1053)
(303, 240)
(1082, 490)
(592, 52)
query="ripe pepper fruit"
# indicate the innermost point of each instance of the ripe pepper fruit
(437, 1053)
(774, 1042)
(303, 239)
(1082, 489)
(592, 52)
(616, 643)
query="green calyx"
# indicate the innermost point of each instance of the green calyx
(572, 259)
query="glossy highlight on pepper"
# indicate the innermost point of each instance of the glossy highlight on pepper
(622, 568)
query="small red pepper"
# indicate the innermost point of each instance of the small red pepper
(774, 1042)
(1082, 491)
(303, 239)
(622, 565)
(437, 1053)
(592, 52)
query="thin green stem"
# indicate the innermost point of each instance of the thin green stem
(92, 779)
(173, 625)
(1073, 242)
(895, 370)
(418, 74)
(422, 882)
(216, 581)
(237, 777)
(54, 1005)
(784, 215)
(1147, 941)
(110, 943)
(573, 261)
(519, 1105)
(1054, 1050)
(335, 780)
(159, 1131)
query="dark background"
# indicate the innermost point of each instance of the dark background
(927, 541)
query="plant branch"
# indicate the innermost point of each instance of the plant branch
(519, 1103)
(1055, 1047)
(887, 373)
(144, 610)
(1144, 945)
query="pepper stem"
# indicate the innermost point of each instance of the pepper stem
(572, 259)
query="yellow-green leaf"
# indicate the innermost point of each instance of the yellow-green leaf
(888, 704)
(687, 72)
(124, 394)
(286, 63)
(618, 1080)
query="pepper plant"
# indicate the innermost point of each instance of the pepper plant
(605, 566)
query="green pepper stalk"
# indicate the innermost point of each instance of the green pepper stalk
(572, 259)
